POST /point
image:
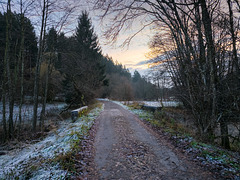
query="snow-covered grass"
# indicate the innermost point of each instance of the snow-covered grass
(27, 111)
(35, 161)
(158, 103)
(226, 163)
(154, 103)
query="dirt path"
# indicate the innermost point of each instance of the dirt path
(124, 149)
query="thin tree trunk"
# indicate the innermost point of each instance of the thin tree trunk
(44, 99)
(224, 134)
(37, 71)
(7, 59)
(211, 59)
(14, 83)
(4, 83)
(235, 57)
(21, 59)
(43, 112)
(4, 103)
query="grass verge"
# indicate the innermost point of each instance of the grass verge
(225, 164)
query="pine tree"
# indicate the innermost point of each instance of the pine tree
(87, 41)
(83, 68)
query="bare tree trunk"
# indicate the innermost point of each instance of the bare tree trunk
(4, 83)
(38, 64)
(43, 112)
(9, 78)
(21, 59)
(4, 102)
(232, 31)
(224, 134)
(211, 59)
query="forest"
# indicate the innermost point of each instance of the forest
(71, 69)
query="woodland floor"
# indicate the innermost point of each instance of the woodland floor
(125, 148)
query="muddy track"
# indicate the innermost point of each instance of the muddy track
(125, 149)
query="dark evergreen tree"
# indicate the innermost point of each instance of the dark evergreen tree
(87, 41)
(30, 47)
(51, 40)
(62, 47)
(136, 76)
(83, 68)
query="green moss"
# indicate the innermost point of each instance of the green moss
(135, 105)
(29, 171)
(66, 161)
(235, 146)
(154, 122)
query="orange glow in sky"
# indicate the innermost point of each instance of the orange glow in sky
(130, 56)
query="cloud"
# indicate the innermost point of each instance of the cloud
(129, 65)
(142, 63)
(141, 67)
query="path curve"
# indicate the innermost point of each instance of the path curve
(124, 149)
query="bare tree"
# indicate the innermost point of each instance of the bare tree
(57, 14)
(6, 68)
(39, 59)
(195, 60)
(21, 56)
(7, 61)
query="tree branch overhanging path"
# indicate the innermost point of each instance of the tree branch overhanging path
(202, 53)
(125, 148)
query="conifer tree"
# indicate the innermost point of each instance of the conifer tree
(84, 72)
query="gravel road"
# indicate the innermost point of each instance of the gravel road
(126, 149)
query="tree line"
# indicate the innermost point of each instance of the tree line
(124, 86)
(197, 41)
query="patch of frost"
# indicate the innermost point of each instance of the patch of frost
(34, 157)
(151, 103)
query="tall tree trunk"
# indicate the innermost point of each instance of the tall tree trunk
(224, 134)
(9, 78)
(4, 83)
(38, 64)
(4, 101)
(21, 59)
(43, 112)
(232, 31)
(211, 59)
